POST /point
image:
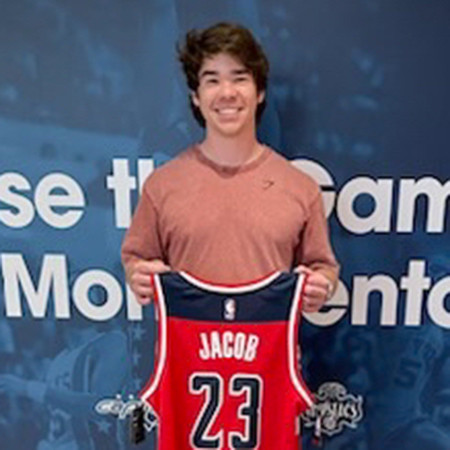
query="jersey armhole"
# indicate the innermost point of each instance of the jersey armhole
(293, 353)
(161, 342)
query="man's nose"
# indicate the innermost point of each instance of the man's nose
(228, 89)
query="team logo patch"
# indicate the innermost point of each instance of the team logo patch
(123, 409)
(335, 409)
(229, 309)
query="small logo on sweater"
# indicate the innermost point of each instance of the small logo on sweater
(229, 309)
(267, 184)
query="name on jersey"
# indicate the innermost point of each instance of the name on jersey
(217, 345)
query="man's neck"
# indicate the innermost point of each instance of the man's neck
(231, 151)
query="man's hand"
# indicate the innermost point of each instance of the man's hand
(138, 276)
(317, 289)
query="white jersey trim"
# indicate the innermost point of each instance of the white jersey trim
(160, 304)
(292, 338)
(224, 289)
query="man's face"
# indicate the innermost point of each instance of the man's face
(227, 96)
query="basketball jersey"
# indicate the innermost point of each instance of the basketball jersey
(226, 370)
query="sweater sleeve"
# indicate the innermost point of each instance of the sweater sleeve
(143, 240)
(314, 249)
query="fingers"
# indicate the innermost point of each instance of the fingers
(316, 289)
(160, 267)
(143, 291)
(311, 305)
(138, 276)
(144, 300)
(303, 269)
(150, 267)
(316, 292)
(139, 279)
(318, 281)
(142, 288)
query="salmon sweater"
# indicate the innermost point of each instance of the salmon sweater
(231, 224)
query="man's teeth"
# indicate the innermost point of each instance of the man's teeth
(228, 110)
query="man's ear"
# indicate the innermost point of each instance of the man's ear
(195, 99)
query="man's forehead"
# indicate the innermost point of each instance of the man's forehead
(222, 62)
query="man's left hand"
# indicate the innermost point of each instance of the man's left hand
(316, 291)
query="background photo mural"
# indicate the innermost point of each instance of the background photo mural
(92, 99)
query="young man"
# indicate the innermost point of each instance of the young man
(229, 209)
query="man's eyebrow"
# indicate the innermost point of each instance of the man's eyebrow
(205, 73)
(242, 71)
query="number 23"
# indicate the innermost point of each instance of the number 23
(250, 411)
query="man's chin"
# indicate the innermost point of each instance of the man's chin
(228, 129)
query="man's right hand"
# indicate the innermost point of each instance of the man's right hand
(138, 277)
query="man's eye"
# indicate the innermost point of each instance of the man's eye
(241, 79)
(211, 81)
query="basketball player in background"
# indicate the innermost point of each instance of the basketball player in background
(92, 365)
(229, 209)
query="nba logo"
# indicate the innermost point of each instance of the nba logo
(230, 309)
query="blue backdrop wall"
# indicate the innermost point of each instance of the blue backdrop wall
(92, 99)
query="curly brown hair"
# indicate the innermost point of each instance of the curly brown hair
(223, 37)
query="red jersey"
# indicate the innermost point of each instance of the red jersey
(226, 373)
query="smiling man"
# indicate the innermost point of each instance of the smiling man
(229, 209)
(227, 98)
